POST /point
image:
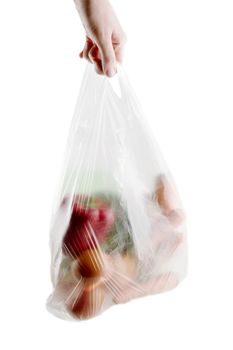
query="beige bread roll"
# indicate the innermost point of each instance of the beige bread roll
(122, 275)
(168, 200)
(159, 284)
(125, 264)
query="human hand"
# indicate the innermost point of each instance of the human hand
(105, 38)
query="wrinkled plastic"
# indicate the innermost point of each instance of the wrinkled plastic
(118, 226)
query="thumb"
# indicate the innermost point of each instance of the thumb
(108, 57)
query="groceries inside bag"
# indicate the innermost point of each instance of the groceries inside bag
(118, 227)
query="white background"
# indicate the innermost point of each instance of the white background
(179, 59)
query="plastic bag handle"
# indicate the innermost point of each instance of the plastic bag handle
(126, 96)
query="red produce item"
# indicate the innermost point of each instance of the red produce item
(87, 228)
(88, 301)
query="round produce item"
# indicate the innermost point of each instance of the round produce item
(91, 263)
(88, 301)
(87, 228)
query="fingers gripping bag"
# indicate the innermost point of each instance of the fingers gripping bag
(118, 227)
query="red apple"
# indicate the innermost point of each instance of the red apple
(87, 228)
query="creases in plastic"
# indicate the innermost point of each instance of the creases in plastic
(118, 228)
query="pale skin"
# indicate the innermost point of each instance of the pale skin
(105, 38)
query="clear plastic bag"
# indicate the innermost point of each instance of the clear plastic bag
(118, 227)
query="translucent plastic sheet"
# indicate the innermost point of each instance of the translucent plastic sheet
(118, 227)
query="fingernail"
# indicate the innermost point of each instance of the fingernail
(110, 72)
